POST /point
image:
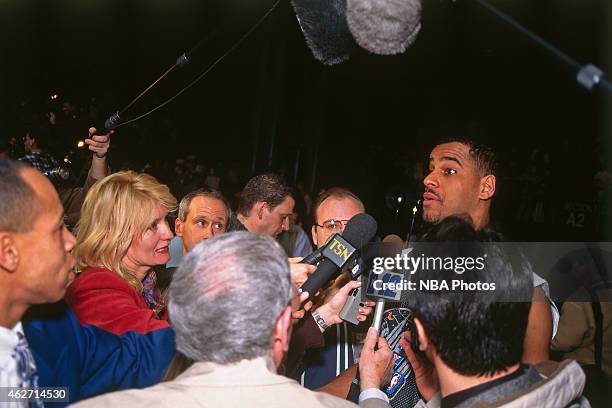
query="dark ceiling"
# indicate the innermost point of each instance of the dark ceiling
(467, 73)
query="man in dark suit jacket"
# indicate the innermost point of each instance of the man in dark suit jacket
(35, 268)
(91, 361)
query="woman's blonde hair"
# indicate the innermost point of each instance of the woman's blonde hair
(116, 209)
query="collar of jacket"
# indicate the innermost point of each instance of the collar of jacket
(561, 386)
(257, 372)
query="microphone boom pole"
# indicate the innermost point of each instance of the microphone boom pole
(588, 76)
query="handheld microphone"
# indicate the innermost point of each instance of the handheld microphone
(379, 310)
(380, 303)
(315, 257)
(340, 250)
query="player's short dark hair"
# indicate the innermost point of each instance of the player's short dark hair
(269, 188)
(483, 155)
(474, 333)
(18, 201)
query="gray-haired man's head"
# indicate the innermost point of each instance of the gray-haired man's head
(227, 296)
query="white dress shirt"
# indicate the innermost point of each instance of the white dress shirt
(8, 361)
(9, 376)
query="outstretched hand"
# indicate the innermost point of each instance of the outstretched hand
(98, 144)
(375, 364)
(300, 271)
(330, 310)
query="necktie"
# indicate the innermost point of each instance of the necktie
(26, 367)
(150, 295)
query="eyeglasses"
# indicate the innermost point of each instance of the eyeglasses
(333, 225)
(218, 226)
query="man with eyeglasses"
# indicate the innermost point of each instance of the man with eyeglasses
(332, 210)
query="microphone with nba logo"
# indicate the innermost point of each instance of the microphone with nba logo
(340, 250)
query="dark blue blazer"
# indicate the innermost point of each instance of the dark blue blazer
(91, 361)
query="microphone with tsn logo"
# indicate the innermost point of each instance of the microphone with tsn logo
(340, 250)
(315, 257)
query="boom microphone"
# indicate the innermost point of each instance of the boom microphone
(339, 251)
(323, 23)
(332, 27)
(113, 121)
(384, 27)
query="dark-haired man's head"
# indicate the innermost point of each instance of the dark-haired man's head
(36, 139)
(35, 246)
(461, 179)
(472, 333)
(202, 214)
(29, 143)
(266, 205)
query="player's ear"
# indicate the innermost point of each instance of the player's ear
(487, 187)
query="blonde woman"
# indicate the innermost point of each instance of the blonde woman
(122, 235)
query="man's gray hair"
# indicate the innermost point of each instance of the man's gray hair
(185, 203)
(227, 295)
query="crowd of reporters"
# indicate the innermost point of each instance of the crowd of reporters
(212, 316)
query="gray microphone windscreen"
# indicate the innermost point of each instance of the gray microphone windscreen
(360, 229)
(323, 23)
(384, 27)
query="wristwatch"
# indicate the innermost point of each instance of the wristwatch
(320, 321)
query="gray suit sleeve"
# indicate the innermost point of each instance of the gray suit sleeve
(374, 403)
